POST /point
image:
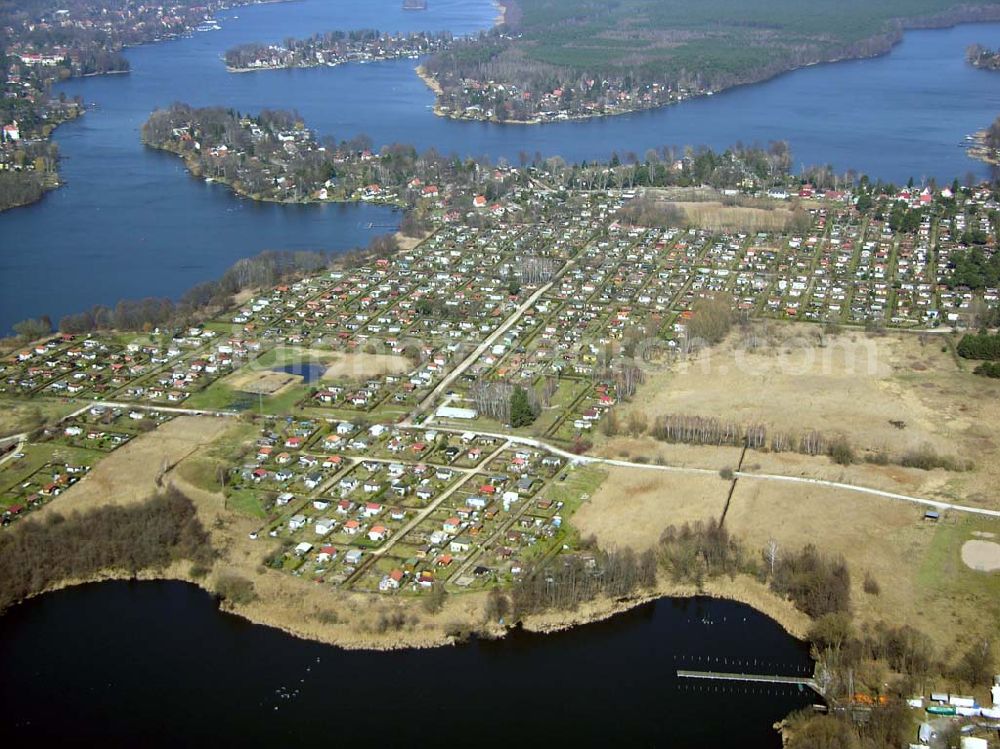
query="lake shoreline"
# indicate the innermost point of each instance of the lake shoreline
(350, 619)
(269, 613)
(884, 44)
(194, 168)
(981, 152)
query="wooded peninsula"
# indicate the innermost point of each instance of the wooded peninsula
(552, 60)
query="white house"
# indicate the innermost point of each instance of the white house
(324, 526)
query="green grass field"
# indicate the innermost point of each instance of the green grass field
(949, 582)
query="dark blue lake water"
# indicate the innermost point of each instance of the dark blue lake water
(131, 223)
(308, 371)
(155, 664)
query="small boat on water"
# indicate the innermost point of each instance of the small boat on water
(414, 4)
(210, 26)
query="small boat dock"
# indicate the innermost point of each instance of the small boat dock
(758, 678)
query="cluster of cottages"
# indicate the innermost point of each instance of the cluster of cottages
(602, 291)
(266, 168)
(496, 100)
(295, 457)
(270, 162)
(99, 430)
(429, 495)
(627, 287)
(161, 368)
(977, 723)
(106, 429)
(32, 491)
(338, 51)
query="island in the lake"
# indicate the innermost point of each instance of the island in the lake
(981, 57)
(332, 49)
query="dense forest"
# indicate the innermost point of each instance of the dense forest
(982, 346)
(35, 555)
(975, 268)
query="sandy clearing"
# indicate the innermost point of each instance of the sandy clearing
(631, 508)
(263, 383)
(406, 243)
(983, 556)
(359, 366)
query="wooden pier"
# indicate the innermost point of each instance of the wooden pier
(758, 678)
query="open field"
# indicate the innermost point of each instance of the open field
(19, 416)
(716, 216)
(917, 563)
(632, 508)
(130, 474)
(650, 450)
(849, 385)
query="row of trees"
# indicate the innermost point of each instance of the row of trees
(670, 166)
(992, 139)
(261, 271)
(710, 430)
